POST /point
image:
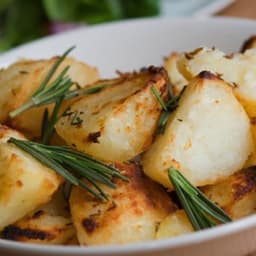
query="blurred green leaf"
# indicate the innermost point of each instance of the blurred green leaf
(91, 11)
(140, 8)
(95, 11)
(24, 21)
(4, 4)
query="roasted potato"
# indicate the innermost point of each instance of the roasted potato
(192, 63)
(19, 81)
(25, 183)
(236, 195)
(11, 80)
(131, 215)
(119, 122)
(177, 80)
(207, 138)
(250, 43)
(238, 69)
(49, 224)
(175, 224)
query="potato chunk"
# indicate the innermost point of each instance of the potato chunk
(119, 122)
(177, 80)
(207, 138)
(236, 195)
(131, 215)
(238, 69)
(49, 224)
(11, 80)
(19, 81)
(175, 224)
(25, 183)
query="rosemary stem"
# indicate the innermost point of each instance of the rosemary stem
(50, 127)
(201, 211)
(21, 109)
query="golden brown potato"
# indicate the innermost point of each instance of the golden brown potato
(119, 122)
(238, 69)
(207, 138)
(25, 183)
(177, 80)
(236, 195)
(19, 81)
(11, 80)
(250, 43)
(175, 224)
(49, 224)
(131, 215)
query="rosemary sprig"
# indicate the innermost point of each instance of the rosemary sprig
(86, 91)
(159, 98)
(56, 92)
(201, 212)
(48, 125)
(48, 94)
(73, 165)
(171, 105)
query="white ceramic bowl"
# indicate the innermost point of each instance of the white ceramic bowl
(127, 46)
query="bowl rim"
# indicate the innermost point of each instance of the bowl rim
(141, 247)
(148, 246)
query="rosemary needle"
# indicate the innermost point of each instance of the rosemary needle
(45, 93)
(48, 125)
(171, 105)
(60, 87)
(201, 212)
(73, 165)
(158, 96)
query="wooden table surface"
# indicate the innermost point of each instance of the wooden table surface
(240, 8)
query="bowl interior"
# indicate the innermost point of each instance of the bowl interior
(133, 44)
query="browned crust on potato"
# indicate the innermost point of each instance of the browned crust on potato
(233, 194)
(190, 55)
(208, 75)
(140, 194)
(16, 233)
(249, 44)
(152, 196)
(244, 183)
(90, 224)
(93, 137)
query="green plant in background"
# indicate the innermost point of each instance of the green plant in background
(25, 20)
(21, 21)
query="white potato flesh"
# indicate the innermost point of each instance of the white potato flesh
(131, 215)
(177, 80)
(19, 81)
(119, 122)
(207, 138)
(175, 224)
(25, 183)
(49, 224)
(238, 69)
